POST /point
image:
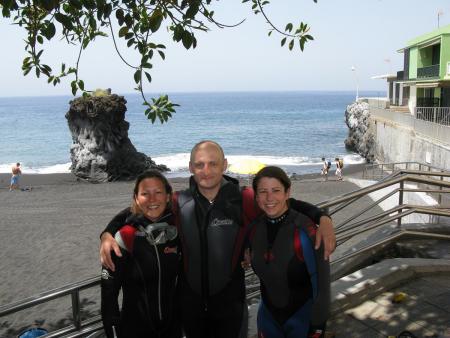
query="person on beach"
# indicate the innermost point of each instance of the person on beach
(339, 165)
(147, 270)
(295, 278)
(15, 174)
(212, 216)
(325, 168)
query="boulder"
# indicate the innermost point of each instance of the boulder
(360, 136)
(101, 150)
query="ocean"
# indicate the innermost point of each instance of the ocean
(290, 129)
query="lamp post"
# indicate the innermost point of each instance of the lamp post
(356, 82)
(439, 14)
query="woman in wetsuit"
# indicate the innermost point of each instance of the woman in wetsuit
(295, 279)
(147, 272)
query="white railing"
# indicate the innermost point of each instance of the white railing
(440, 115)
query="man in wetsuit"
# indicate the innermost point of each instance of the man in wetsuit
(210, 217)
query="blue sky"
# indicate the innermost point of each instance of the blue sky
(362, 33)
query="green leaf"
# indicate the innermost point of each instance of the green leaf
(283, 41)
(155, 20)
(149, 78)
(291, 44)
(270, 33)
(76, 4)
(81, 84)
(123, 31)
(137, 76)
(73, 84)
(120, 15)
(161, 53)
(289, 27)
(49, 31)
(187, 39)
(192, 10)
(40, 39)
(64, 20)
(308, 37)
(302, 44)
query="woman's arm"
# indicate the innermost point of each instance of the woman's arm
(321, 306)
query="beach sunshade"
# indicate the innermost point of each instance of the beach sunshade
(246, 167)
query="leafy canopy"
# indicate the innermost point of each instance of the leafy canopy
(81, 21)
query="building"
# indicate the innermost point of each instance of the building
(424, 81)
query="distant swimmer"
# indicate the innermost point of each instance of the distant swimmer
(16, 172)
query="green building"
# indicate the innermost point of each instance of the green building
(424, 81)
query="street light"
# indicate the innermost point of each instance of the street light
(439, 14)
(356, 81)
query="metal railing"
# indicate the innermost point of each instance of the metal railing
(378, 171)
(440, 115)
(78, 328)
(344, 231)
(428, 72)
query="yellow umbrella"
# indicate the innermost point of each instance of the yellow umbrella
(246, 166)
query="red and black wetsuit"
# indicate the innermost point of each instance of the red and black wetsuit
(147, 274)
(212, 283)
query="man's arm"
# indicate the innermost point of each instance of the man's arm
(325, 233)
(111, 283)
(108, 243)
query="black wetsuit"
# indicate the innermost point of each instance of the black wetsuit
(148, 282)
(295, 279)
(213, 237)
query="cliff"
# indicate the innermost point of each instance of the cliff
(360, 137)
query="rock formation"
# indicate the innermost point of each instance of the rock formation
(101, 150)
(360, 136)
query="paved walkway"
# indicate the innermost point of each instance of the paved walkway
(425, 312)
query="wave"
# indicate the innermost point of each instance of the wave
(178, 163)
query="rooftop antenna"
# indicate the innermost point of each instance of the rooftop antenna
(439, 14)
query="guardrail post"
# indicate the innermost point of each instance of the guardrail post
(76, 309)
(440, 188)
(400, 202)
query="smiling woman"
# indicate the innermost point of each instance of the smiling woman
(295, 279)
(147, 269)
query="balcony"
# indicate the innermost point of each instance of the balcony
(439, 115)
(428, 72)
(428, 102)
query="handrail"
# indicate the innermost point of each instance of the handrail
(344, 232)
(392, 166)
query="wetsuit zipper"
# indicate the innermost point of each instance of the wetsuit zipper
(205, 270)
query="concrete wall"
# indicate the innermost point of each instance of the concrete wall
(413, 56)
(401, 138)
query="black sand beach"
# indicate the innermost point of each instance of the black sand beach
(50, 236)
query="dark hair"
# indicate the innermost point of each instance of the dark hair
(150, 174)
(272, 172)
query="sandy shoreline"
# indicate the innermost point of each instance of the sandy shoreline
(50, 236)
